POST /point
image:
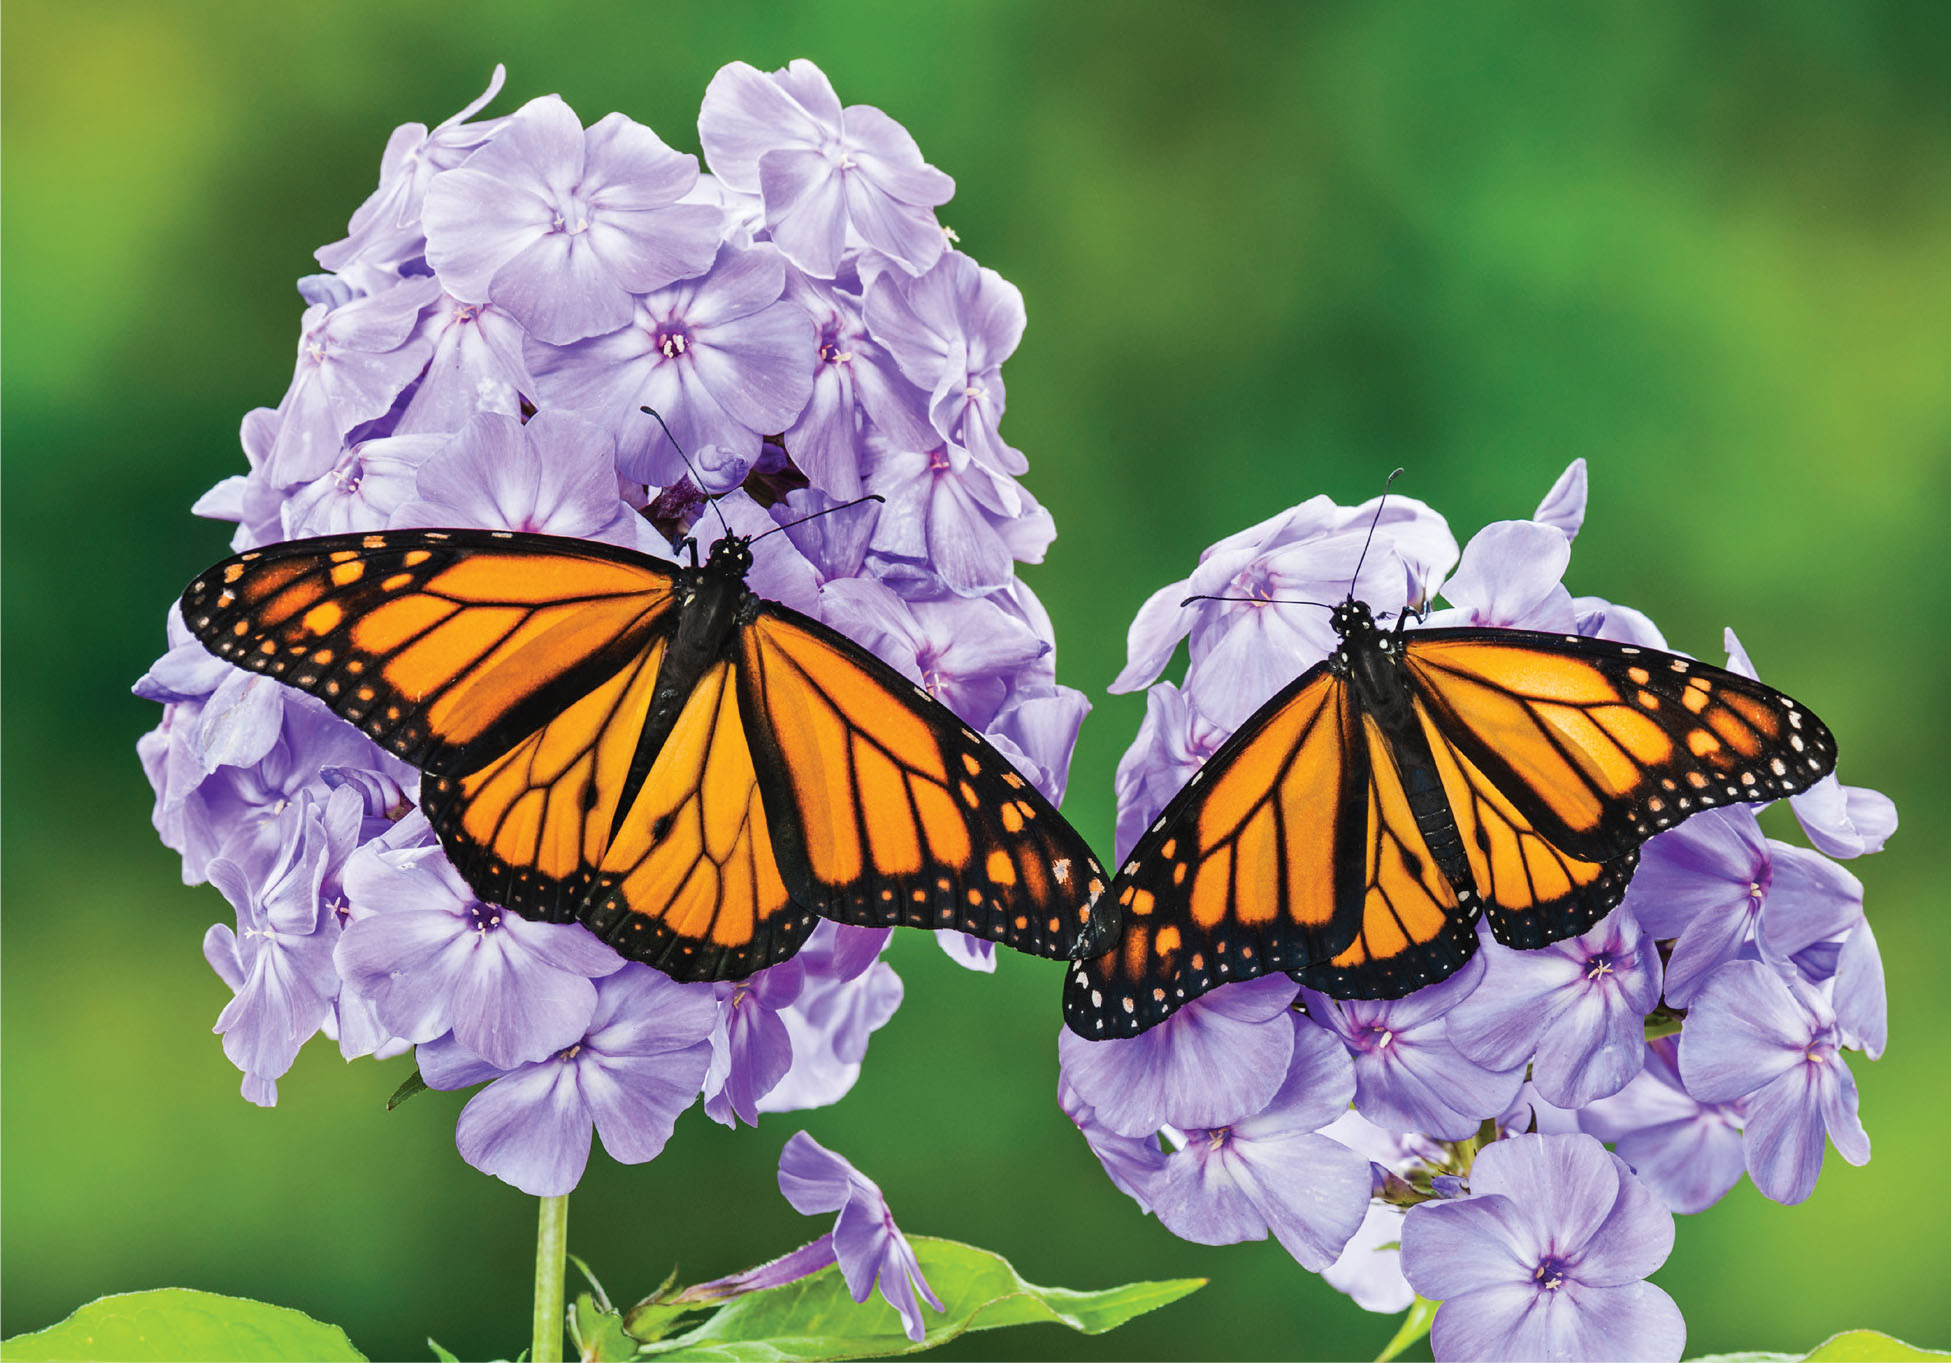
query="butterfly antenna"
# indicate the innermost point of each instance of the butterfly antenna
(709, 497)
(1260, 601)
(870, 497)
(1371, 531)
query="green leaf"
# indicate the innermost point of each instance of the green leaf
(599, 1333)
(1869, 1346)
(815, 1318)
(176, 1323)
(409, 1086)
(440, 1354)
(1415, 1324)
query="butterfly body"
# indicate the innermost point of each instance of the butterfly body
(1356, 827)
(693, 771)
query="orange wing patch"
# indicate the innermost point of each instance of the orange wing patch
(691, 883)
(1250, 872)
(888, 810)
(1602, 745)
(1532, 892)
(1414, 928)
(443, 649)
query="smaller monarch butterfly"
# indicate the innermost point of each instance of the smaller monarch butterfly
(1355, 827)
(654, 750)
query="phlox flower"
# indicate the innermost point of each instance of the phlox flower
(279, 961)
(1715, 885)
(825, 175)
(1272, 1171)
(868, 1246)
(722, 357)
(561, 226)
(1409, 1074)
(1574, 1010)
(1687, 1151)
(1773, 1043)
(1546, 1259)
(1220, 1058)
(641, 1062)
(432, 959)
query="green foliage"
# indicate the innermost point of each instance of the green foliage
(816, 1318)
(1415, 1324)
(1869, 1346)
(175, 1323)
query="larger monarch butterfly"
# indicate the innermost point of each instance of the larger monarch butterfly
(654, 750)
(1353, 829)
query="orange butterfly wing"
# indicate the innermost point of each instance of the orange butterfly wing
(888, 810)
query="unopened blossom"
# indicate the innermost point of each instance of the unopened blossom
(1546, 1259)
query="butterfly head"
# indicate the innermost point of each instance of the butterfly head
(731, 556)
(1351, 618)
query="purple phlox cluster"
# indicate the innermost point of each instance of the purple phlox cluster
(1547, 1258)
(511, 293)
(1700, 1027)
(869, 1248)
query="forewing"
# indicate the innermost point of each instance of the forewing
(1415, 928)
(1598, 745)
(446, 646)
(887, 809)
(1254, 867)
(1532, 892)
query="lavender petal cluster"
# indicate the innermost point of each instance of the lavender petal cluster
(475, 353)
(1701, 1029)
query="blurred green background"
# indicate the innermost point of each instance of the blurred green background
(1267, 252)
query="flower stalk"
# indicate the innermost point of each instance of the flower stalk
(551, 1254)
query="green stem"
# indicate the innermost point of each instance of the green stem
(1422, 1314)
(551, 1248)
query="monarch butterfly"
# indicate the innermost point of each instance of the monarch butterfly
(1356, 826)
(654, 750)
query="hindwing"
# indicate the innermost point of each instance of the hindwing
(886, 809)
